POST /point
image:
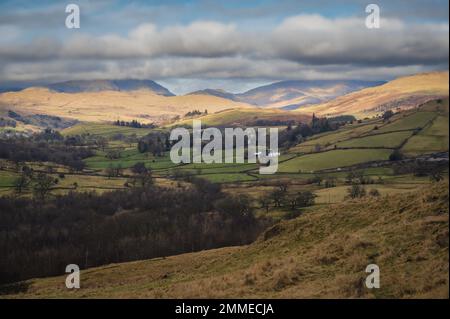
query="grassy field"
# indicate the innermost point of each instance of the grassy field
(321, 254)
(332, 159)
(330, 138)
(430, 121)
(390, 140)
(416, 120)
(7, 178)
(103, 129)
(355, 144)
(433, 139)
(338, 194)
(243, 117)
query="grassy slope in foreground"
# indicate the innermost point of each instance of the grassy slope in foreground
(322, 253)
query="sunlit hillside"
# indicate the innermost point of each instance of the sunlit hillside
(142, 105)
(402, 93)
(247, 117)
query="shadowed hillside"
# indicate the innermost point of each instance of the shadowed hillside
(109, 85)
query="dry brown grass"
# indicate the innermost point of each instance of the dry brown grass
(142, 105)
(411, 90)
(321, 254)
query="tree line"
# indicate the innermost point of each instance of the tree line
(40, 236)
(39, 149)
(134, 124)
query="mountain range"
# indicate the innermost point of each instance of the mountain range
(286, 95)
(290, 95)
(147, 101)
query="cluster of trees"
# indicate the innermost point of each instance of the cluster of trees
(40, 182)
(396, 155)
(155, 142)
(359, 191)
(387, 115)
(294, 135)
(325, 181)
(42, 149)
(87, 140)
(358, 180)
(422, 168)
(195, 113)
(7, 122)
(342, 119)
(40, 237)
(280, 197)
(134, 124)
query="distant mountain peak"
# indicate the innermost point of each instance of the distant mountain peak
(76, 86)
(292, 94)
(215, 92)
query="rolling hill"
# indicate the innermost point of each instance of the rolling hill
(216, 92)
(402, 93)
(290, 95)
(247, 117)
(108, 85)
(100, 106)
(321, 254)
(294, 94)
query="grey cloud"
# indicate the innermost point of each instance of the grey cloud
(303, 39)
(315, 39)
(204, 68)
(306, 46)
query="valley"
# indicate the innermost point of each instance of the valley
(311, 226)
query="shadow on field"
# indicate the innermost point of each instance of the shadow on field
(14, 288)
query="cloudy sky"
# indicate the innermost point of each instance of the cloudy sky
(234, 44)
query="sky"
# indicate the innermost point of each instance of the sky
(232, 45)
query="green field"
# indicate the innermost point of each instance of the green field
(104, 129)
(227, 178)
(357, 143)
(242, 117)
(433, 139)
(7, 178)
(333, 159)
(330, 138)
(389, 140)
(410, 122)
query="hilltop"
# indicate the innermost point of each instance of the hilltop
(323, 253)
(399, 94)
(216, 92)
(108, 85)
(248, 117)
